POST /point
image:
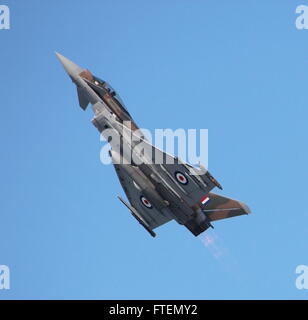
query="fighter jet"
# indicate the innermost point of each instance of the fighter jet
(157, 191)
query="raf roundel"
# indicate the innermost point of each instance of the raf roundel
(180, 177)
(146, 202)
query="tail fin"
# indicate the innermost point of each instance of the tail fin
(222, 208)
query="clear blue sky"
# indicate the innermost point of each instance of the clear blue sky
(238, 68)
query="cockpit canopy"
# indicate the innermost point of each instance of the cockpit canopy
(112, 92)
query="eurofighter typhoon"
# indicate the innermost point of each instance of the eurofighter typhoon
(159, 187)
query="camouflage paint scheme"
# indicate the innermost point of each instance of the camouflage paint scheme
(157, 193)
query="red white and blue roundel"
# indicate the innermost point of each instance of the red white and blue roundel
(146, 202)
(180, 177)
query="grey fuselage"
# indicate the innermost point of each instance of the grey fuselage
(155, 180)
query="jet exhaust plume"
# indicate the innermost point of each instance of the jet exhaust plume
(214, 243)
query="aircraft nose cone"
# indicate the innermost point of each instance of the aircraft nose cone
(71, 68)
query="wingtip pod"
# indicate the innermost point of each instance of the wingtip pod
(135, 214)
(207, 173)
